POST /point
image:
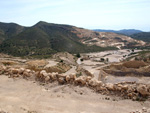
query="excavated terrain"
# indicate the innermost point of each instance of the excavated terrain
(26, 86)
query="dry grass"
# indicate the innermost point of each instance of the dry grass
(8, 62)
(36, 64)
(60, 68)
(129, 68)
(116, 66)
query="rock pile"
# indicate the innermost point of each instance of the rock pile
(131, 90)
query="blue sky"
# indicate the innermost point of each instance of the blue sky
(91, 14)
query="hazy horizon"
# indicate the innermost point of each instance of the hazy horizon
(95, 14)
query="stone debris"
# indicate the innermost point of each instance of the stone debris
(143, 110)
(129, 90)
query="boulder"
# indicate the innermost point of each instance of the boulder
(125, 87)
(2, 69)
(109, 86)
(80, 80)
(72, 76)
(61, 80)
(132, 95)
(14, 71)
(88, 78)
(99, 83)
(61, 75)
(101, 88)
(68, 78)
(43, 73)
(143, 90)
(53, 76)
(148, 88)
(130, 89)
(93, 82)
(47, 78)
(21, 70)
(37, 74)
(118, 87)
(28, 70)
(26, 74)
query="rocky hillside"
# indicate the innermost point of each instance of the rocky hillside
(145, 36)
(8, 30)
(47, 38)
(105, 39)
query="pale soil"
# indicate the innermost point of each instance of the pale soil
(94, 65)
(116, 79)
(113, 56)
(51, 63)
(24, 96)
(72, 70)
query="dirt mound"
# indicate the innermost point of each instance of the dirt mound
(60, 68)
(65, 57)
(36, 64)
(134, 64)
(129, 68)
(8, 62)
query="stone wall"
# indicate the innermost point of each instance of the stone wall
(127, 90)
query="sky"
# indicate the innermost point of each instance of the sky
(90, 14)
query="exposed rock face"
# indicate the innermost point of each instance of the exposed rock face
(105, 39)
(128, 68)
(130, 90)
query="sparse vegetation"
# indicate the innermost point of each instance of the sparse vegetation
(42, 40)
(102, 59)
(145, 36)
(81, 59)
(78, 55)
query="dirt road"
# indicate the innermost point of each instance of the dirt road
(22, 96)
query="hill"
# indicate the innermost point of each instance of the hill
(8, 30)
(46, 38)
(104, 39)
(123, 31)
(145, 36)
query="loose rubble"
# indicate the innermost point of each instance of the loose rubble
(128, 90)
(143, 110)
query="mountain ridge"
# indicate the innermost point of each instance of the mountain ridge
(46, 38)
(122, 31)
(145, 36)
